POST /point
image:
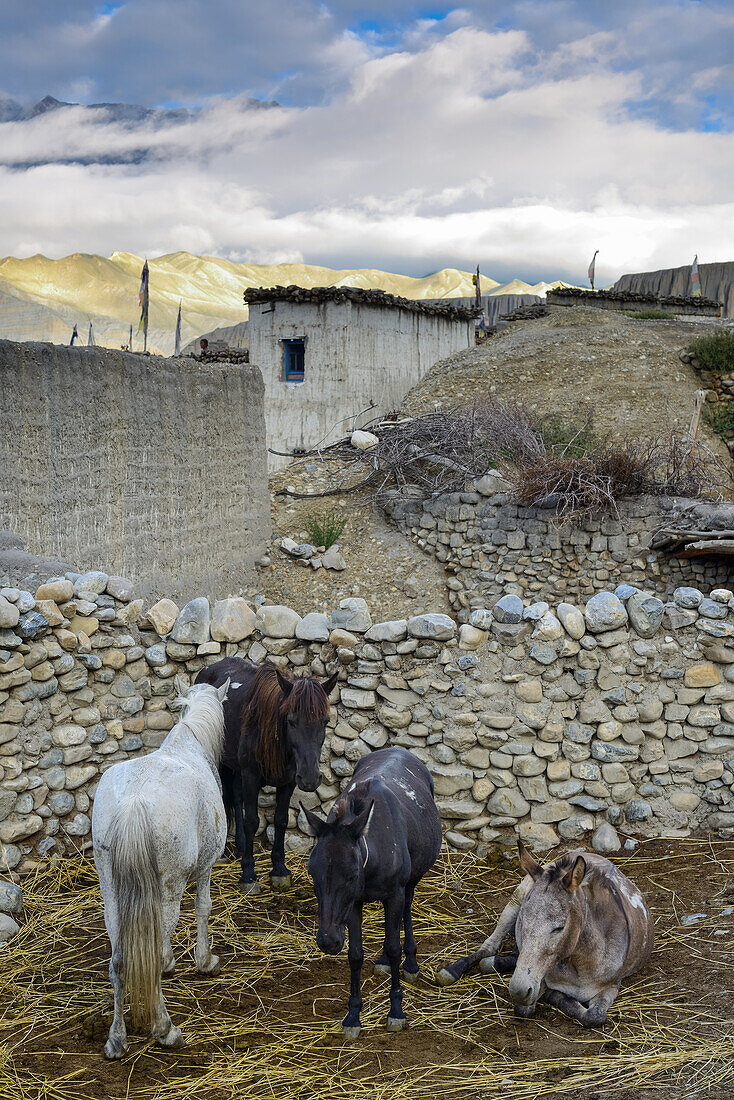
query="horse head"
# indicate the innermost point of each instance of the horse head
(336, 866)
(304, 712)
(549, 924)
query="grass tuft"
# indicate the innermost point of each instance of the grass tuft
(325, 530)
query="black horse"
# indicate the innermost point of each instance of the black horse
(377, 843)
(274, 730)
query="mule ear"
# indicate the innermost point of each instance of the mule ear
(360, 823)
(573, 878)
(528, 862)
(222, 691)
(182, 687)
(330, 684)
(317, 824)
(286, 686)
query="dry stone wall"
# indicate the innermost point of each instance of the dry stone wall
(559, 723)
(490, 544)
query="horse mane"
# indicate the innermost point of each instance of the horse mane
(203, 717)
(265, 711)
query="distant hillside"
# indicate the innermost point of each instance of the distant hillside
(42, 299)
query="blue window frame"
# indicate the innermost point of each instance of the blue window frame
(295, 358)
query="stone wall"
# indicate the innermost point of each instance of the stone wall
(490, 545)
(717, 281)
(633, 301)
(154, 466)
(556, 724)
(360, 361)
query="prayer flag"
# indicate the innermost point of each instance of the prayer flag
(177, 348)
(144, 299)
(90, 337)
(695, 278)
(592, 268)
(74, 337)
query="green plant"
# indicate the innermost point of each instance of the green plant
(714, 353)
(721, 418)
(647, 314)
(571, 435)
(325, 530)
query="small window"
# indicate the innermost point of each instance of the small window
(295, 356)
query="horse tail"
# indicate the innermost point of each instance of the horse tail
(227, 776)
(137, 887)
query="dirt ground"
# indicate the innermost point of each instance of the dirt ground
(628, 370)
(269, 1024)
(395, 578)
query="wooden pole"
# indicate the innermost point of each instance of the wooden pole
(698, 403)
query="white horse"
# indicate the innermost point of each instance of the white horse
(158, 822)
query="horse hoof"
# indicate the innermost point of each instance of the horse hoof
(248, 887)
(411, 976)
(212, 968)
(445, 977)
(524, 1012)
(173, 1039)
(396, 1023)
(280, 882)
(351, 1032)
(487, 965)
(114, 1049)
(382, 968)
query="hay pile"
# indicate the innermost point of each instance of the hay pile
(268, 1025)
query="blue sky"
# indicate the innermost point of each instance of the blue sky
(524, 133)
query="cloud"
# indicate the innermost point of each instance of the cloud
(464, 145)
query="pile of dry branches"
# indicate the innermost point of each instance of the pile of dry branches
(548, 461)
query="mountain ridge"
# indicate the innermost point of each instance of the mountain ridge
(39, 295)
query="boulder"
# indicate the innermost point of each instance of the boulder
(470, 637)
(572, 620)
(481, 618)
(192, 624)
(90, 585)
(11, 898)
(120, 588)
(333, 559)
(352, 614)
(313, 627)
(508, 609)
(363, 441)
(9, 614)
(8, 928)
(537, 836)
(232, 620)
(508, 802)
(688, 597)
(58, 589)
(435, 627)
(603, 612)
(645, 613)
(162, 615)
(394, 630)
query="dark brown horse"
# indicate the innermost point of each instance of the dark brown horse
(274, 729)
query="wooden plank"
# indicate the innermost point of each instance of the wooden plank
(698, 403)
(710, 546)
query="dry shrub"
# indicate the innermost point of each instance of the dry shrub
(580, 486)
(553, 460)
